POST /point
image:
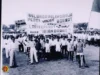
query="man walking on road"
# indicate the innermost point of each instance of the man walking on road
(12, 52)
(33, 52)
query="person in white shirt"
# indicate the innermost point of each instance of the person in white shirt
(47, 49)
(33, 52)
(98, 39)
(21, 48)
(58, 45)
(42, 42)
(63, 46)
(24, 43)
(7, 47)
(75, 42)
(12, 52)
(58, 49)
(69, 36)
(27, 46)
(70, 49)
(89, 39)
(52, 48)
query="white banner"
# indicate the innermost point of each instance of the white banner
(50, 24)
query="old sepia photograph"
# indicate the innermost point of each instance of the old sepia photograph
(50, 37)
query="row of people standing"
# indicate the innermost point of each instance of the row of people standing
(91, 39)
(56, 48)
(48, 48)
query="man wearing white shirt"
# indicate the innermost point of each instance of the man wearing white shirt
(52, 48)
(89, 39)
(24, 43)
(42, 42)
(63, 46)
(69, 36)
(70, 49)
(12, 51)
(33, 51)
(96, 39)
(75, 42)
(21, 48)
(17, 43)
(47, 49)
(58, 48)
(7, 47)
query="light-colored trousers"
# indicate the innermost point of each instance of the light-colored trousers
(7, 52)
(11, 57)
(25, 48)
(81, 60)
(33, 52)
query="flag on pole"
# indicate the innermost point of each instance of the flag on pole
(96, 6)
(95, 15)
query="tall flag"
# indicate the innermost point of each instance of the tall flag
(96, 6)
(94, 21)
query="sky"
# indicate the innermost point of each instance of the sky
(18, 9)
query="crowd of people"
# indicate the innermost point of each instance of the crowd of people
(50, 47)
